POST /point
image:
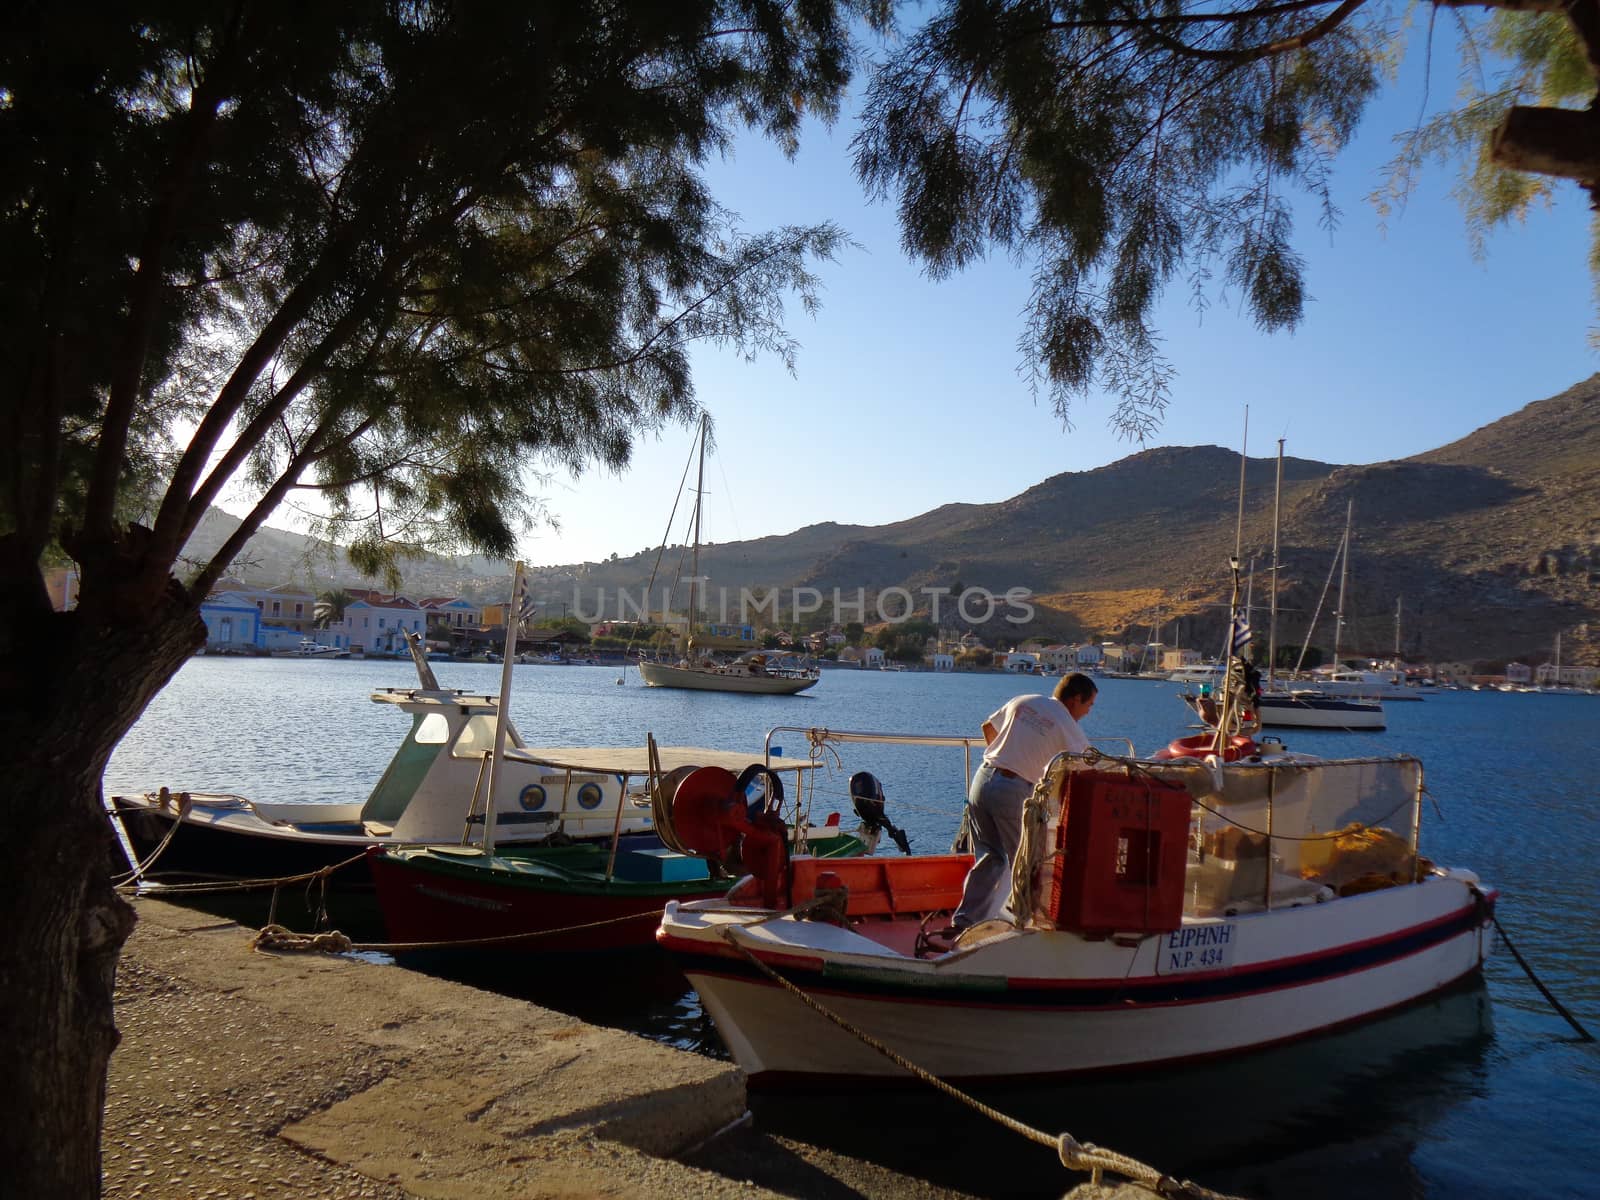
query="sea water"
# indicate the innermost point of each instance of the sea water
(1482, 1092)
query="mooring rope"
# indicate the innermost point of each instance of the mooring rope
(1527, 968)
(1074, 1155)
(133, 876)
(156, 890)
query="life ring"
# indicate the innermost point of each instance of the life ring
(1203, 745)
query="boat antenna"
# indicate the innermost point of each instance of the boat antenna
(521, 605)
(1272, 617)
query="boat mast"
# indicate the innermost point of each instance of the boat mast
(1272, 618)
(1344, 577)
(519, 587)
(1238, 524)
(1398, 601)
(699, 495)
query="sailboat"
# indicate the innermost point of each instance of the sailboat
(1301, 707)
(756, 672)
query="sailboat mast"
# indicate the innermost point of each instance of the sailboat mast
(1238, 525)
(1398, 601)
(699, 496)
(1344, 577)
(1272, 618)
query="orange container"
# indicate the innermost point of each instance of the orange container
(1123, 848)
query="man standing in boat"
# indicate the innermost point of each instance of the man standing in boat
(1023, 736)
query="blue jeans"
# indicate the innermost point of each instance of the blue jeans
(994, 815)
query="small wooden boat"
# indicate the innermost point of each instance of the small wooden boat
(1174, 909)
(432, 792)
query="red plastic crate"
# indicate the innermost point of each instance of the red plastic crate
(1123, 848)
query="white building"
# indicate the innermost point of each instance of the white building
(379, 626)
(451, 611)
(943, 662)
(1057, 659)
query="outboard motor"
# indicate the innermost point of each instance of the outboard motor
(866, 793)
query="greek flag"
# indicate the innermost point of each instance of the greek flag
(522, 602)
(1240, 636)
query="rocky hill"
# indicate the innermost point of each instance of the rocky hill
(1488, 547)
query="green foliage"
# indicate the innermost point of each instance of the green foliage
(403, 256)
(1118, 149)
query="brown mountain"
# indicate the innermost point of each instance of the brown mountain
(1489, 546)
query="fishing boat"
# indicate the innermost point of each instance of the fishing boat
(754, 672)
(432, 792)
(707, 817)
(606, 894)
(1202, 901)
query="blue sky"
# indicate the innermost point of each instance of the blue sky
(907, 395)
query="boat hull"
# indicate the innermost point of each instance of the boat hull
(536, 899)
(1288, 712)
(433, 909)
(1051, 1004)
(232, 846)
(663, 675)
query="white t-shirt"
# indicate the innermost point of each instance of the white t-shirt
(1029, 732)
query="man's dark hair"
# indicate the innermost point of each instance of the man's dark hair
(1076, 686)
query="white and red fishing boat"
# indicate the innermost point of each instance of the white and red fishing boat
(1207, 900)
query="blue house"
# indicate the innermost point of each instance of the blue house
(233, 622)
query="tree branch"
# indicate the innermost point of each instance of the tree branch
(144, 290)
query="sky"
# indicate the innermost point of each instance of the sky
(907, 394)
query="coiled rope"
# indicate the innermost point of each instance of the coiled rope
(1074, 1155)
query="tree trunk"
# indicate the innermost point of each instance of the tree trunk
(68, 692)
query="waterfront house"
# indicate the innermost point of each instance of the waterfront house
(233, 623)
(943, 662)
(379, 626)
(872, 657)
(1057, 658)
(285, 605)
(1089, 655)
(452, 612)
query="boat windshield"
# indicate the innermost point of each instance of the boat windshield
(477, 737)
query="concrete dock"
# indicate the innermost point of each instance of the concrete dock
(244, 1074)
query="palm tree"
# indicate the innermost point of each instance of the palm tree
(330, 607)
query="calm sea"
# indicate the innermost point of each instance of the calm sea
(1485, 1092)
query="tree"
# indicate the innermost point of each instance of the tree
(330, 607)
(1122, 148)
(385, 254)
